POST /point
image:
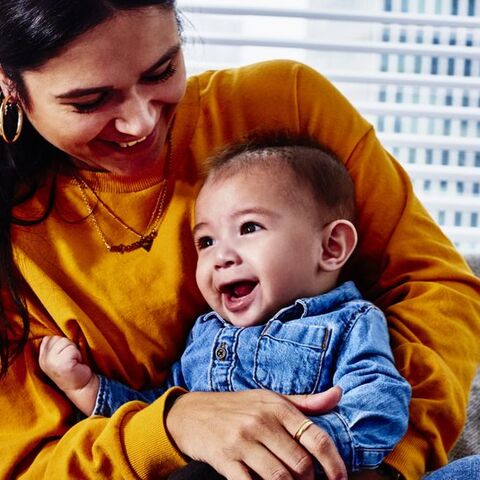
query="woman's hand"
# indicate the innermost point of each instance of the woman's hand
(245, 433)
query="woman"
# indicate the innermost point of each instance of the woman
(97, 188)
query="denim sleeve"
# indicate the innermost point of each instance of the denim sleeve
(372, 415)
(112, 395)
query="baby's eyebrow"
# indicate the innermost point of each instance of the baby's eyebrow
(198, 227)
(255, 211)
(240, 213)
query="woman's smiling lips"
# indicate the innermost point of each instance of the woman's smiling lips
(134, 146)
(131, 144)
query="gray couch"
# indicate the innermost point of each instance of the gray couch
(469, 442)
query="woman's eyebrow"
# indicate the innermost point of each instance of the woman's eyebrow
(83, 92)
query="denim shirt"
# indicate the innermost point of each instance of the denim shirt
(336, 338)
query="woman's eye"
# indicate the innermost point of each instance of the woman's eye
(204, 242)
(162, 76)
(249, 227)
(90, 106)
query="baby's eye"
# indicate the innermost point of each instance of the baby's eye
(204, 242)
(249, 227)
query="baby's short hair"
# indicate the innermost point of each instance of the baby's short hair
(313, 166)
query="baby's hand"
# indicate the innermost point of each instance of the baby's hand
(61, 360)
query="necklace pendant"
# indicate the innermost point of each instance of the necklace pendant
(146, 244)
(147, 241)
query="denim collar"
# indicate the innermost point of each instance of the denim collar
(305, 307)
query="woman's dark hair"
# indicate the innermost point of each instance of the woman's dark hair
(33, 32)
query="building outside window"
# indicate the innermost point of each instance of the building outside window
(411, 67)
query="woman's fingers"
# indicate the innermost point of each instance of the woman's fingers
(289, 455)
(315, 440)
(266, 464)
(234, 471)
(251, 431)
(317, 403)
(322, 447)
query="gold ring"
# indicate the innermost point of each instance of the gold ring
(306, 424)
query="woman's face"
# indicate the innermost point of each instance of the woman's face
(108, 99)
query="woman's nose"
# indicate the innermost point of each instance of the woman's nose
(137, 117)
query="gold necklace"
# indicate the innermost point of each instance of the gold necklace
(145, 240)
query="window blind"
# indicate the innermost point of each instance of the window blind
(411, 68)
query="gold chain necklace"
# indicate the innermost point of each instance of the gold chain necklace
(145, 240)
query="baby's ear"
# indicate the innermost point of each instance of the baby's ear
(339, 239)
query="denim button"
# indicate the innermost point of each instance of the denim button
(221, 352)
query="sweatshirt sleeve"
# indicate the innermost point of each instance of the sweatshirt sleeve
(372, 415)
(407, 267)
(40, 438)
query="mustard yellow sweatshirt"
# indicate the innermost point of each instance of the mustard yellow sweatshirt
(130, 313)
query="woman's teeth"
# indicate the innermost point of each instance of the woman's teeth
(131, 144)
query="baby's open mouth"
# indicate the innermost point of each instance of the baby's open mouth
(239, 289)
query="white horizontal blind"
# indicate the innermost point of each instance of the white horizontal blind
(411, 67)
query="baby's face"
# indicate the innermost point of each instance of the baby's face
(258, 246)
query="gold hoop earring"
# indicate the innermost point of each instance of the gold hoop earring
(4, 112)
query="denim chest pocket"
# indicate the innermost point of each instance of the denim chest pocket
(289, 357)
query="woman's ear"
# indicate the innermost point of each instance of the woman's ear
(339, 239)
(5, 84)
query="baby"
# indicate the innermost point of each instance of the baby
(273, 228)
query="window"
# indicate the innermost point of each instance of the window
(441, 217)
(384, 63)
(454, 7)
(381, 123)
(447, 128)
(451, 66)
(382, 95)
(471, 8)
(445, 157)
(474, 219)
(412, 153)
(417, 68)
(458, 219)
(429, 156)
(416, 100)
(386, 35)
